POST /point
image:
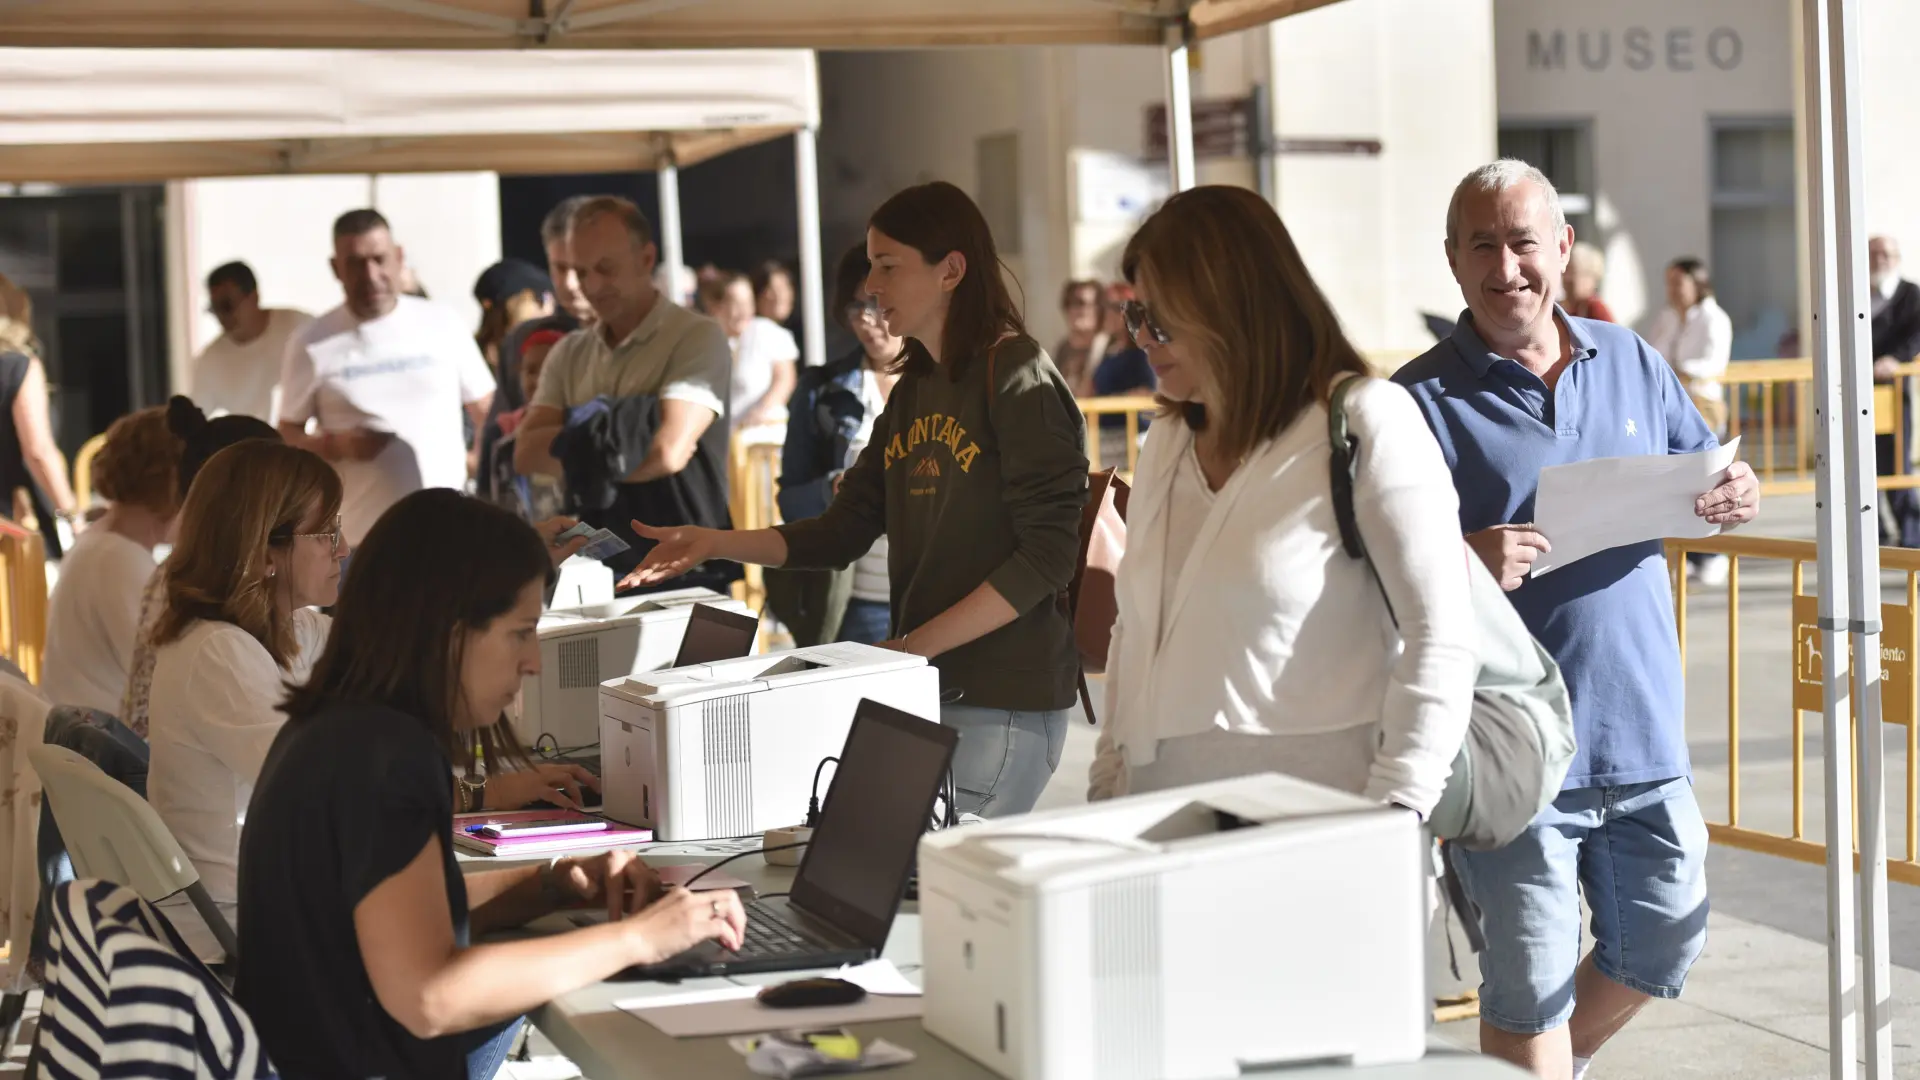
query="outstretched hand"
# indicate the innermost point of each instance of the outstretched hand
(675, 551)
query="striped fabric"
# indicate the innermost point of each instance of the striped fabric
(125, 998)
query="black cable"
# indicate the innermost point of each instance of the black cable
(813, 793)
(688, 884)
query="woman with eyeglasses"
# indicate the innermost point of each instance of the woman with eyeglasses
(1248, 640)
(259, 551)
(976, 473)
(831, 418)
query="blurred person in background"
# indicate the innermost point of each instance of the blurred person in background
(765, 356)
(570, 312)
(1695, 335)
(384, 376)
(1580, 286)
(510, 292)
(93, 616)
(832, 416)
(1124, 371)
(33, 471)
(1085, 345)
(240, 371)
(1896, 340)
(773, 292)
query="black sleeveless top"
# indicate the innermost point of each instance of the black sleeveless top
(13, 460)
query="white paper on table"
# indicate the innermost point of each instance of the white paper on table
(878, 977)
(735, 1011)
(1590, 506)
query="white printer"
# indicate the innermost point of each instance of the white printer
(582, 581)
(582, 647)
(731, 748)
(1187, 934)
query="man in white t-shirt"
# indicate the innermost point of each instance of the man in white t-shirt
(384, 376)
(240, 371)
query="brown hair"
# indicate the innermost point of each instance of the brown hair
(399, 627)
(1223, 275)
(937, 220)
(139, 464)
(1696, 269)
(1077, 286)
(249, 497)
(713, 287)
(588, 211)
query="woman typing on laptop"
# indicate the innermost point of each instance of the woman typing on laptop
(976, 474)
(347, 878)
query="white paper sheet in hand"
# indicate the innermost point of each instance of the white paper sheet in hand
(1590, 506)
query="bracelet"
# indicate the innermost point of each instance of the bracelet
(550, 891)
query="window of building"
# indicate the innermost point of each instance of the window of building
(1755, 263)
(1564, 151)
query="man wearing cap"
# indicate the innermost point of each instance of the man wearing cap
(512, 293)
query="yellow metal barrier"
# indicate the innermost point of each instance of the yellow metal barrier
(83, 471)
(1899, 699)
(23, 598)
(752, 481)
(1769, 402)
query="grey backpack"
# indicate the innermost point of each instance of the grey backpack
(1520, 739)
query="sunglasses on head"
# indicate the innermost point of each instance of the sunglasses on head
(1140, 321)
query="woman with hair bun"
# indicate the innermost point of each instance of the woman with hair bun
(93, 619)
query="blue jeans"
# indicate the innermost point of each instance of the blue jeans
(1005, 757)
(866, 621)
(484, 1061)
(1638, 852)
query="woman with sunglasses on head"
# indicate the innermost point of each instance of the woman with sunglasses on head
(1248, 639)
(356, 954)
(976, 474)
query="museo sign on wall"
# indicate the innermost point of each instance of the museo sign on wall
(1674, 49)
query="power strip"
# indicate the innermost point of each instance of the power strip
(796, 834)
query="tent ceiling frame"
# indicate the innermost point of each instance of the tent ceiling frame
(541, 29)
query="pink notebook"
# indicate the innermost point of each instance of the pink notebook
(613, 836)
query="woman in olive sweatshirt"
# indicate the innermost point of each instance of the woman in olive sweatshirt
(976, 474)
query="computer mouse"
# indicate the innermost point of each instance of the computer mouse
(804, 993)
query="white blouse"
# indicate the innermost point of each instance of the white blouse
(1271, 628)
(1698, 345)
(93, 619)
(213, 711)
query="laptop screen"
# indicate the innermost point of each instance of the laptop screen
(715, 634)
(855, 870)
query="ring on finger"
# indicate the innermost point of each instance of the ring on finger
(716, 909)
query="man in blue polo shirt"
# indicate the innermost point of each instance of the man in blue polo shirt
(1518, 386)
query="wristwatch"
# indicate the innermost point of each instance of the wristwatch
(473, 795)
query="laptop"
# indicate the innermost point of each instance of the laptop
(855, 871)
(715, 634)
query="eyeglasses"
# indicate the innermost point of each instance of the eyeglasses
(864, 311)
(1139, 320)
(333, 536)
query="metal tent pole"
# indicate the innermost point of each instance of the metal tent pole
(806, 177)
(1836, 690)
(1179, 107)
(673, 252)
(1863, 524)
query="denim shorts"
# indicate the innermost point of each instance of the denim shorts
(1638, 853)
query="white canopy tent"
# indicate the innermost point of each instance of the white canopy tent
(89, 115)
(623, 24)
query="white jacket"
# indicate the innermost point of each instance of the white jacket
(1274, 629)
(1698, 345)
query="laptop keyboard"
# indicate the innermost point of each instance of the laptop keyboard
(770, 935)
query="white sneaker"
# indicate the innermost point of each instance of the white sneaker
(1713, 572)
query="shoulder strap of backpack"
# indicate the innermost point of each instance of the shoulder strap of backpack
(1343, 462)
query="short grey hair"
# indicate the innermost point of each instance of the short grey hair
(553, 229)
(1496, 177)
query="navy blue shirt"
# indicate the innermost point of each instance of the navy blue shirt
(1607, 619)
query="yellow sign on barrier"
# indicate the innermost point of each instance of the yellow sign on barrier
(1896, 659)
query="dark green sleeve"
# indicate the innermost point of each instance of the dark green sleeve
(855, 518)
(1043, 466)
